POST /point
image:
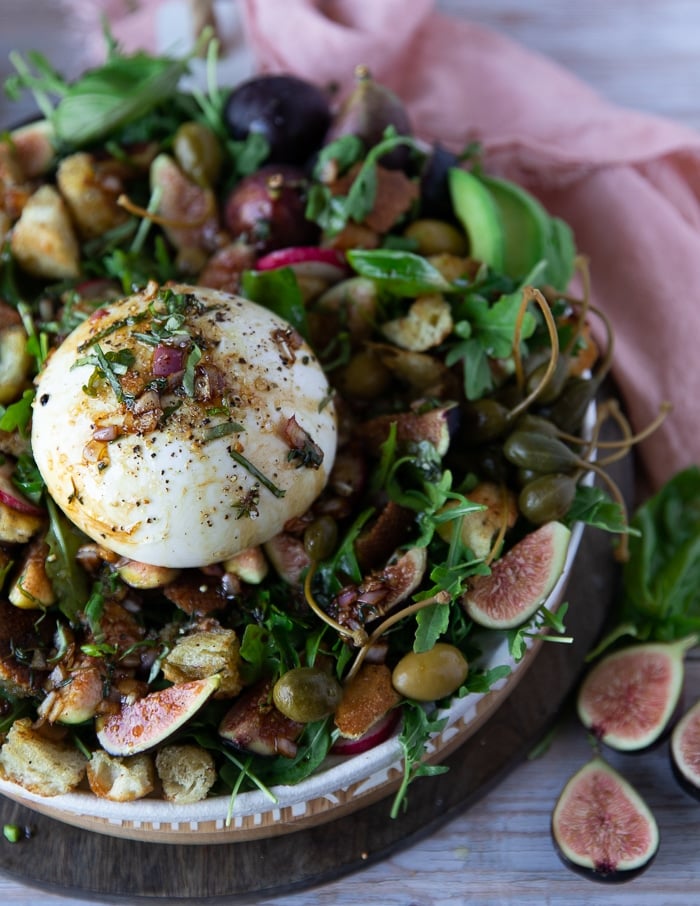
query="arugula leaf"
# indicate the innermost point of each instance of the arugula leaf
(398, 272)
(16, 416)
(418, 726)
(593, 506)
(67, 578)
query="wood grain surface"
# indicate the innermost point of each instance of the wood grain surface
(495, 851)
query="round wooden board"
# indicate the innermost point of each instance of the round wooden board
(68, 860)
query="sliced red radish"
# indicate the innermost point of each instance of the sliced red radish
(301, 254)
(12, 497)
(378, 732)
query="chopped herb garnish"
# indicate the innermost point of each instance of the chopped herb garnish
(256, 473)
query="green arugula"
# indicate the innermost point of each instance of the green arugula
(17, 415)
(67, 578)
(417, 728)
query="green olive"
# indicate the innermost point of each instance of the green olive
(198, 152)
(428, 676)
(436, 237)
(321, 537)
(547, 498)
(306, 694)
(365, 377)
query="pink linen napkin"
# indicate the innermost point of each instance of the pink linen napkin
(627, 183)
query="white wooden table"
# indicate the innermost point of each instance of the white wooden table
(645, 54)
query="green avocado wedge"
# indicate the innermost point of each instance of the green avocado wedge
(510, 230)
(478, 213)
(525, 225)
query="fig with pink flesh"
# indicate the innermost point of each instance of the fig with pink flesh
(628, 698)
(602, 827)
(142, 724)
(520, 581)
(685, 751)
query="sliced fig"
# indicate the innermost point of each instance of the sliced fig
(142, 724)
(629, 697)
(602, 827)
(520, 581)
(685, 751)
(254, 724)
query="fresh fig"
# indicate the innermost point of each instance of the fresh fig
(367, 112)
(144, 723)
(628, 698)
(685, 751)
(520, 581)
(291, 113)
(267, 209)
(601, 826)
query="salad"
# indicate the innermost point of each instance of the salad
(290, 422)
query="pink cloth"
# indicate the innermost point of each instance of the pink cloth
(628, 183)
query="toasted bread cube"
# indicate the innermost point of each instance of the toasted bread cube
(427, 324)
(203, 654)
(186, 772)
(366, 699)
(17, 527)
(32, 589)
(91, 193)
(121, 779)
(15, 362)
(43, 240)
(47, 767)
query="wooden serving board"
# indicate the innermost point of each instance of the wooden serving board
(69, 860)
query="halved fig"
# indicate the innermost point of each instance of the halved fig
(142, 724)
(685, 751)
(520, 581)
(628, 698)
(602, 827)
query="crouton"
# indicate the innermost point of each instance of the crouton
(186, 772)
(427, 324)
(17, 527)
(15, 362)
(202, 654)
(32, 588)
(366, 699)
(43, 240)
(121, 779)
(91, 192)
(44, 766)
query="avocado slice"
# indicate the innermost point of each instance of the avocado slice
(478, 213)
(525, 226)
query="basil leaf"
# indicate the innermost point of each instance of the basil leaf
(398, 272)
(593, 506)
(124, 89)
(278, 291)
(662, 575)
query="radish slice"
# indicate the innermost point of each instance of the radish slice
(12, 497)
(378, 732)
(301, 254)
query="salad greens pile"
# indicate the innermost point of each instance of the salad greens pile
(510, 331)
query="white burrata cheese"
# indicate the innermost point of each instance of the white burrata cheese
(183, 468)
